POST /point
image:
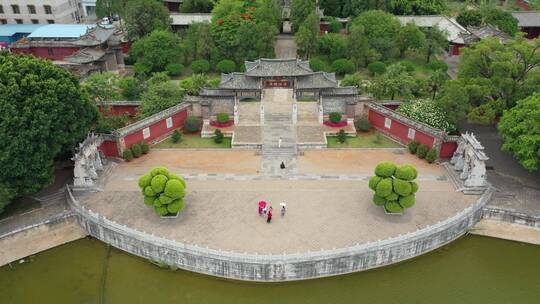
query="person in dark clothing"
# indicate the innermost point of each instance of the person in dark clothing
(282, 166)
(269, 215)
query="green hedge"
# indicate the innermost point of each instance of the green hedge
(421, 151)
(394, 186)
(136, 150)
(163, 190)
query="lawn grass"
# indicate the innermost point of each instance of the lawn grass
(363, 140)
(193, 141)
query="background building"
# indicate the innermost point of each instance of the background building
(40, 12)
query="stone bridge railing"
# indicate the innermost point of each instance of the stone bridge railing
(279, 267)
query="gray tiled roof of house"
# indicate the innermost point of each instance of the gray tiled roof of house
(86, 55)
(486, 31)
(527, 18)
(339, 91)
(277, 67)
(239, 81)
(317, 80)
(96, 36)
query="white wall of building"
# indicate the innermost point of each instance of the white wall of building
(62, 11)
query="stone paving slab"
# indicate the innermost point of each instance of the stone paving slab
(247, 134)
(321, 214)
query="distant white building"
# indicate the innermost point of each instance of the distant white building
(89, 9)
(40, 12)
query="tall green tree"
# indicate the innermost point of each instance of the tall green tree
(416, 7)
(381, 29)
(102, 86)
(197, 6)
(109, 8)
(410, 37)
(454, 101)
(300, 10)
(435, 81)
(307, 36)
(436, 41)
(157, 50)
(491, 70)
(160, 96)
(43, 112)
(358, 45)
(197, 42)
(395, 82)
(520, 129)
(145, 16)
(501, 19)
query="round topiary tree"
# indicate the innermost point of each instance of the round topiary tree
(377, 68)
(164, 191)
(222, 117)
(174, 69)
(226, 66)
(335, 117)
(394, 186)
(200, 66)
(343, 66)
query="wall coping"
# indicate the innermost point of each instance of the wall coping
(468, 214)
(407, 121)
(141, 124)
(122, 102)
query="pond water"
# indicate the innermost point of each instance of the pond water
(471, 270)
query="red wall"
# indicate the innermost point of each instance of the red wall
(43, 52)
(157, 130)
(109, 148)
(125, 47)
(118, 110)
(399, 131)
(456, 49)
(531, 32)
(448, 149)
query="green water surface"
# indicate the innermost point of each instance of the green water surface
(471, 270)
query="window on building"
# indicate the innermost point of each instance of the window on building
(35, 21)
(387, 123)
(48, 9)
(31, 9)
(146, 133)
(3, 21)
(1, 9)
(15, 9)
(19, 21)
(50, 21)
(411, 133)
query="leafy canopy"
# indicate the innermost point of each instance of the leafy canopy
(43, 113)
(520, 129)
(145, 16)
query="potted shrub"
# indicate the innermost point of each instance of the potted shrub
(394, 187)
(192, 124)
(164, 191)
(342, 136)
(222, 117)
(335, 117)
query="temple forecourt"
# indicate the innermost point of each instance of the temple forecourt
(331, 226)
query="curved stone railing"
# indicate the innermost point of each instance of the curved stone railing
(279, 267)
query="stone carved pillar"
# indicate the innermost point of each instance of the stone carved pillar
(477, 176)
(466, 166)
(457, 158)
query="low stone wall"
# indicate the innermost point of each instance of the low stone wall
(39, 237)
(510, 216)
(276, 268)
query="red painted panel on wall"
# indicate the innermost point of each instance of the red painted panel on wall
(448, 149)
(109, 148)
(157, 130)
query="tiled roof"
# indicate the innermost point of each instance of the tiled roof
(61, 31)
(527, 18)
(87, 55)
(239, 81)
(316, 80)
(95, 36)
(277, 67)
(12, 29)
(452, 28)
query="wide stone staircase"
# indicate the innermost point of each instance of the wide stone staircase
(278, 124)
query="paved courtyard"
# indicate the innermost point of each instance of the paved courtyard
(325, 211)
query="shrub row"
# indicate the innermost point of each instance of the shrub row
(136, 151)
(422, 151)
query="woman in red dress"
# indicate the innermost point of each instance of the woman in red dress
(269, 216)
